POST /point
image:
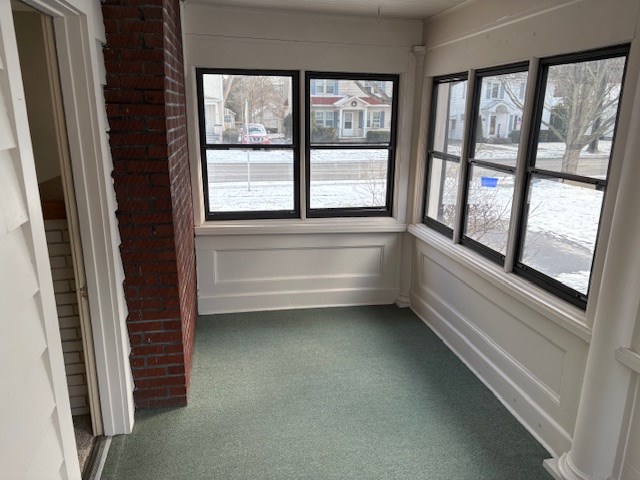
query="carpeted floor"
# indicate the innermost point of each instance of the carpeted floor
(335, 393)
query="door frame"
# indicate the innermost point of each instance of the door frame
(73, 223)
(79, 33)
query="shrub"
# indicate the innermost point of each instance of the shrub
(230, 135)
(324, 134)
(378, 136)
(514, 135)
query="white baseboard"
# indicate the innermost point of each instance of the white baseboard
(290, 300)
(547, 431)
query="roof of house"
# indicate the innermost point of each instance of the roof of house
(324, 100)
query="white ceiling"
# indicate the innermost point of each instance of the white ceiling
(410, 9)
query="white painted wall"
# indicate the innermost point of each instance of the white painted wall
(527, 346)
(243, 265)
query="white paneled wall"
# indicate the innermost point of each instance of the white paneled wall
(64, 286)
(243, 273)
(533, 364)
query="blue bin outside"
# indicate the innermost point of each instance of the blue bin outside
(491, 182)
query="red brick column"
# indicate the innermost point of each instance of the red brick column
(146, 110)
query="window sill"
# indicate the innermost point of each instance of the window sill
(555, 309)
(309, 226)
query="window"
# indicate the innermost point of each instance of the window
(350, 161)
(492, 162)
(557, 202)
(324, 87)
(568, 169)
(448, 102)
(250, 156)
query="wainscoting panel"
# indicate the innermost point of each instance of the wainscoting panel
(531, 363)
(247, 272)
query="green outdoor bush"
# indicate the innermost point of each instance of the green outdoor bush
(378, 136)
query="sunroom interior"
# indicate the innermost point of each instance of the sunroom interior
(470, 165)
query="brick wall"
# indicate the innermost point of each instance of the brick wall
(64, 286)
(146, 110)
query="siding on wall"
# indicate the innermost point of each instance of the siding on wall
(64, 287)
(35, 418)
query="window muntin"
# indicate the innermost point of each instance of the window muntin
(445, 140)
(248, 142)
(493, 154)
(576, 118)
(350, 144)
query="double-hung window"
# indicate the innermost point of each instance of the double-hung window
(350, 161)
(568, 169)
(249, 143)
(544, 220)
(446, 137)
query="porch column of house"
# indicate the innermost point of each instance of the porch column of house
(147, 117)
(606, 382)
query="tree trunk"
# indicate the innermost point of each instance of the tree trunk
(570, 160)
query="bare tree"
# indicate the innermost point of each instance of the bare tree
(373, 89)
(582, 101)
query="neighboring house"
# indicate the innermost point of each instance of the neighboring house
(216, 115)
(350, 110)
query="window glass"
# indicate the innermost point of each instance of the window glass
(499, 118)
(350, 109)
(489, 200)
(247, 109)
(250, 180)
(348, 178)
(442, 191)
(579, 116)
(561, 231)
(448, 128)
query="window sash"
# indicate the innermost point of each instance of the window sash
(364, 119)
(206, 147)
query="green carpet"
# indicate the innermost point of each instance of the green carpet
(334, 393)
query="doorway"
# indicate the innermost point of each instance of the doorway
(347, 128)
(45, 111)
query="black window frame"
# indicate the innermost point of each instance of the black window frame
(542, 280)
(475, 245)
(294, 146)
(432, 152)
(387, 209)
